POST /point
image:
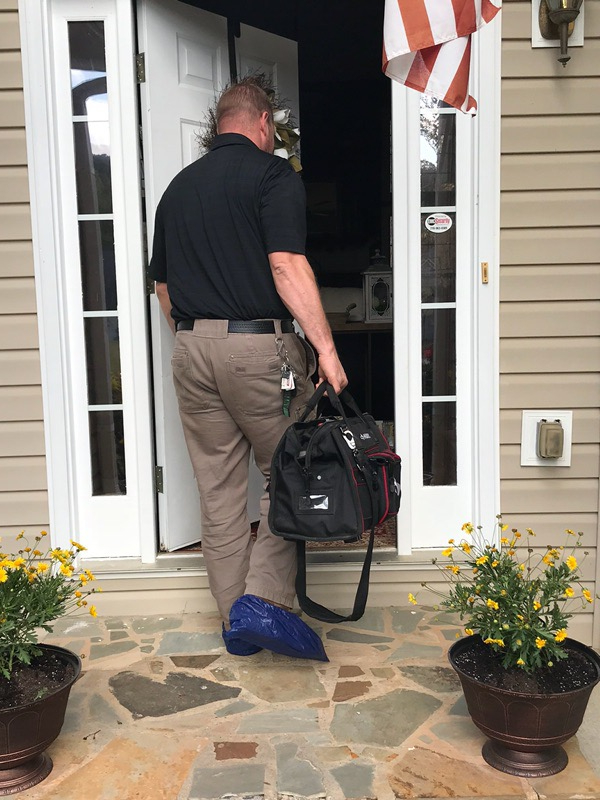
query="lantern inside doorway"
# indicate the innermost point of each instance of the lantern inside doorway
(377, 289)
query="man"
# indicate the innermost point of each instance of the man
(230, 270)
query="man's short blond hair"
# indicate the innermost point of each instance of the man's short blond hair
(244, 99)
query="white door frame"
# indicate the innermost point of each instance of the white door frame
(72, 508)
(40, 114)
(480, 330)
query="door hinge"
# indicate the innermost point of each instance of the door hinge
(140, 67)
(485, 277)
(158, 479)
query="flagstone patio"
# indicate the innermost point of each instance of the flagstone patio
(163, 712)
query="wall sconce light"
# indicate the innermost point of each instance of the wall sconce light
(557, 19)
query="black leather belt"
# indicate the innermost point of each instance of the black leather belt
(244, 326)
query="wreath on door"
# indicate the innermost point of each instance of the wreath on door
(287, 134)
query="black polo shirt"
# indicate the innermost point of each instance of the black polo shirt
(216, 224)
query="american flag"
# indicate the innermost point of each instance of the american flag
(427, 45)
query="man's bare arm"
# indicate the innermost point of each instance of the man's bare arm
(165, 303)
(296, 285)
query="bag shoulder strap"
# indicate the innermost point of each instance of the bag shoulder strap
(317, 611)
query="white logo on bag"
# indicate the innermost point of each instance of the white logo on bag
(365, 436)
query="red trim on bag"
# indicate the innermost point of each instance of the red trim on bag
(387, 497)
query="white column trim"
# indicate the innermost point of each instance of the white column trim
(41, 158)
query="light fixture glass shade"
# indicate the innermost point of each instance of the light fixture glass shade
(564, 5)
(563, 13)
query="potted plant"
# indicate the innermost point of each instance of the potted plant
(37, 585)
(526, 683)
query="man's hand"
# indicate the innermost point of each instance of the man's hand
(331, 370)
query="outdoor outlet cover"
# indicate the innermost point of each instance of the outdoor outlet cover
(533, 426)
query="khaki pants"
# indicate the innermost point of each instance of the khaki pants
(229, 392)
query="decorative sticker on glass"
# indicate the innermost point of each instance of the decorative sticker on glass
(438, 222)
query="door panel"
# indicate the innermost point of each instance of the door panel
(186, 59)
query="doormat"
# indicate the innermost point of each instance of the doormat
(385, 539)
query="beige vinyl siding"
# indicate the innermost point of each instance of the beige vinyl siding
(550, 279)
(23, 483)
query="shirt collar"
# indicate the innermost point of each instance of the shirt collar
(225, 139)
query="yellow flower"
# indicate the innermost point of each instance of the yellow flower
(83, 579)
(492, 604)
(504, 540)
(540, 643)
(536, 605)
(499, 642)
(90, 575)
(466, 547)
(3, 575)
(19, 562)
(547, 560)
(77, 593)
(93, 611)
(66, 570)
(587, 594)
(569, 592)
(511, 552)
(495, 563)
(482, 560)
(37, 553)
(79, 547)
(468, 527)
(447, 552)
(571, 563)
(560, 635)
(530, 532)
(504, 527)
(570, 532)
(28, 549)
(31, 577)
(412, 599)
(450, 541)
(520, 662)
(469, 631)
(42, 567)
(21, 535)
(43, 533)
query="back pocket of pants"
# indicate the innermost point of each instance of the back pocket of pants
(255, 382)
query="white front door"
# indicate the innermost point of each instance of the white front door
(187, 65)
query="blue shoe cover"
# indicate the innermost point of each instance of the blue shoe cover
(262, 624)
(237, 647)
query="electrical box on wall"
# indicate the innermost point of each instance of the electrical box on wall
(546, 438)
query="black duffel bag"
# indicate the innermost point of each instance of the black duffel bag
(332, 479)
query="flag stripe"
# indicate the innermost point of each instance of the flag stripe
(416, 24)
(427, 45)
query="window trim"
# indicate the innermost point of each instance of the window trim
(483, 194)
(50, 247)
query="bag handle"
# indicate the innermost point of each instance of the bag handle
(317, 611)
(337, 401)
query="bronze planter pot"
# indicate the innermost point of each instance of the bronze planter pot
(27, 730)
(525, 731)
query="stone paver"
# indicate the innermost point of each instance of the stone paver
(163, 712)
(245, 779)
(296, 775)
(387, 720)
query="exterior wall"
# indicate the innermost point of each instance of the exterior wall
(550, 317)
(550, 276)
(23, 496)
